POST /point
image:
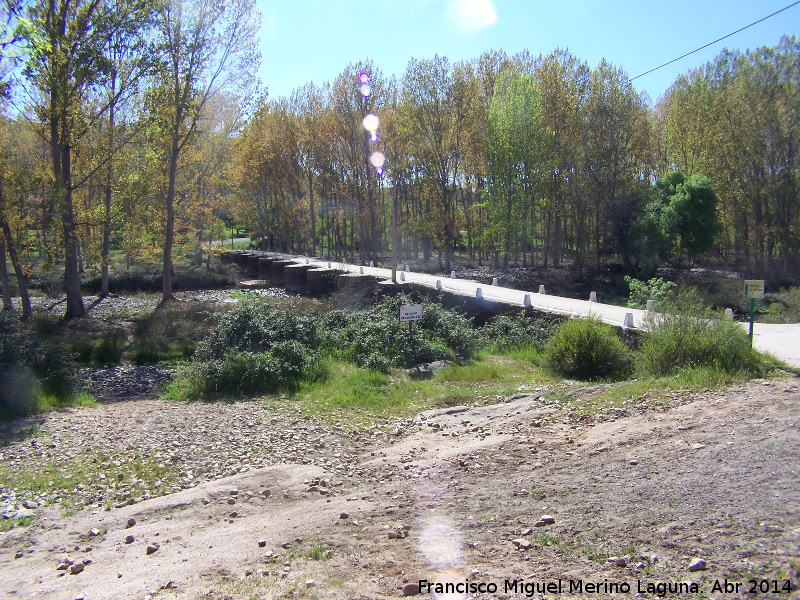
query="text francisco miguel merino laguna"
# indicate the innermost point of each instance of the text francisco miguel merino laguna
(578, 586)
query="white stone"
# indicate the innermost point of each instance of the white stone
(627, 322)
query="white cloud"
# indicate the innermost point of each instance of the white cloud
(471, 15)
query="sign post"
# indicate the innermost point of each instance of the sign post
(753, 288)
(410, 313)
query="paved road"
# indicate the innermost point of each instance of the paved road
(781, 340)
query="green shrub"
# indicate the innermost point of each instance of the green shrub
(520, 331)
(20, 391)
(256, 326)
(241, 373)
(687, 334)
(82, 350)
(30, 366)
(109, 350)
(171, 332)
(374, 338)
(147, 352)
(587, 349)
(657, 290)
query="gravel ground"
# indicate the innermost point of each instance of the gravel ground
(252, 501)
(124, 306)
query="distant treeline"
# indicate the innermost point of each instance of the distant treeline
(536, 160)
(137, 127)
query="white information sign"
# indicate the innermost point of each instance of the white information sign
(410, 312)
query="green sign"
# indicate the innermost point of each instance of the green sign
(753, 288)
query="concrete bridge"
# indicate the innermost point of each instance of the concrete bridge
(314, 276)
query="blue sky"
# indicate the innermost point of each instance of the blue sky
(314, 40)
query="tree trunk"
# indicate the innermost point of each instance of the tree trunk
(198, 248)
(12, 253)
(7, 305)
(313, 215)
(169, 238)
(72, 283)
(105, 251)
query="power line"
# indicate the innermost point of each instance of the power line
(717, 40)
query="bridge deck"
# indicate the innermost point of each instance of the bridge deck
(781, 340)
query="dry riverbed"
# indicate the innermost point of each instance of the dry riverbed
(253, 500)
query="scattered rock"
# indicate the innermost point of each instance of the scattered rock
(152, 547)
(231, 500)
(77, 568)
(30, 504)
(410, 589)
(698, 564)
(266, 493)
(129, 539)
(634, 462)
(262, 543)
(527, 531)
(131, 522)
(344, 515)
(94, 532)
(619, 561)
(18, 555)
(310, 583)
(521, 543)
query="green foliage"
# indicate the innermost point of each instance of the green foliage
(375, 338)
(254, 326)
(30, 366)
(515, 143)
(587, 349)
(682, 213)
(171, 333)
(657, 290)
(240, 373)
(110, 347)
(692, 215)
(689, 335)
(781, 307)
(519, 331)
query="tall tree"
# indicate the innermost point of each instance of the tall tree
(67, 59)
(435, 109)
(516, 141)
(207, 46)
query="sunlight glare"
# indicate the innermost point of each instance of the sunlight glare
(371, 123)
(441, 544)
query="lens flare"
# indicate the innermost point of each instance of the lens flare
(363, 77)
(373, 137)
(441, 544)
(379, 170)
(452, 578)
(365, 90)
(371, 123)
(377, 159)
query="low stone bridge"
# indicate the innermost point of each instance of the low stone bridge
(313, 276)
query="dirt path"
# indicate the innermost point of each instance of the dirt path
(321, 512)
